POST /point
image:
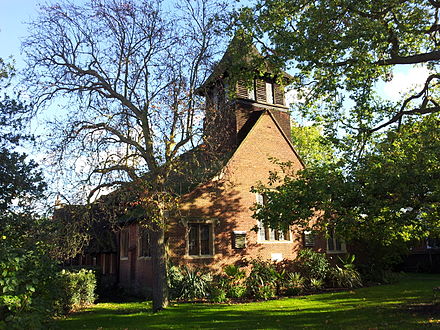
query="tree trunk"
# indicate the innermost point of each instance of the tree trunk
(158, 256)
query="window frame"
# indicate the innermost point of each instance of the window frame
(141, 232)
(237, 234)
(124, 243)
(210, 225)
(334, 239)
(309, 238)
(269, 232)
(270, 93)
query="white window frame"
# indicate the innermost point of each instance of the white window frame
(251, 92)
(309, 236)
(270, 97)
(261, 234)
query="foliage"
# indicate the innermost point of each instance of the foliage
(340, 50)
(174, 280)
(342, 277)
(235, 281)
(27, 291)
(261, 281)
(218, 288)
(316, 283)
(189, 283)
(234, 272)
(384, 190)
(27, 273)
(312, 265)
(77, 289)
(20, 180)
(311, 145)
(388, 198)
(294, 284)
(217, 294)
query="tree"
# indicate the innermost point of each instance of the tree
(129, 70)
(28, 272)
(311, 145)
(340, 50)
(20, 179)
(391, 196)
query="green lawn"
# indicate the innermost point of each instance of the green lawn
(406, 305)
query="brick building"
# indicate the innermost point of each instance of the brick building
(249, 126)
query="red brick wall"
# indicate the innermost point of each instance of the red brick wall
(227, 202)
(135, 272)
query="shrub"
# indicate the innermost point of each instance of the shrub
(234, 272)
(294, 284)
(345, 277)
(316, 283)
(218, 294)
(27, 293)
(261, 282)
(188, 283)
(312, 264)
(174, 278)
(218, 288)
(77, 289)
(236, 291)
(234, 281)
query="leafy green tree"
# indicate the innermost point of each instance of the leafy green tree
(311, 145)
(27, 271)
(391, 196)
(340, 50)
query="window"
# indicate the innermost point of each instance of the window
(334, 243)
(269, 234)
(251, 91)
(239, 239)
(144, 243)
(124, 243)
(200, 239)
(269, 93)
(309, 238)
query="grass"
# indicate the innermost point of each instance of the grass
(406, 305)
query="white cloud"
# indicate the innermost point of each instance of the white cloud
(404, 80)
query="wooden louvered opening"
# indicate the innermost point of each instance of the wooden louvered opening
(278, 94)
(260, 89)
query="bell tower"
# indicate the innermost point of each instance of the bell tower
(234, 105)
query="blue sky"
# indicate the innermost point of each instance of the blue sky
(13, 14)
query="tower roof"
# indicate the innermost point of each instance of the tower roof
(240, 55)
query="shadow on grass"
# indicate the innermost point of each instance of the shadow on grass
(375, 307)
